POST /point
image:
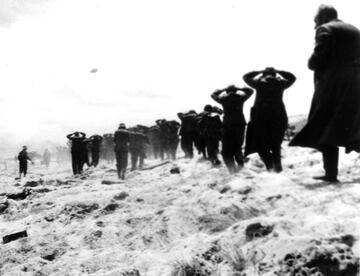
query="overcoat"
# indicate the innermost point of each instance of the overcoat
(268, 118)
(334, 117)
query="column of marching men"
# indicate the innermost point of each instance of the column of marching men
(204, 132)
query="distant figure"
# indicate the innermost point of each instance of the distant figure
(23, 158)
(77, 151)
(188, 131)
(154, 137)
(268, 118)
(334, 118)
(46, 158)
(161, 123)
(95, 142)
(122, 141)
(108, 147)
(137, 147)
(172, 138)
(211, 128)
(232, 100)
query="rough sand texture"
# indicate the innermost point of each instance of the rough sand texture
(199, 222)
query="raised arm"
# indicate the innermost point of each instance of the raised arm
(69, 136)
(248, 92)
(250, 78)
(288, 78)
(180, 115)
(216, 96)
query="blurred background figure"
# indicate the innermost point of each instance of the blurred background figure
(95, 143)
(46, 158)
(122, 141)
(77, 151)
(23, 159)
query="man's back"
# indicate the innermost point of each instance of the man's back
(337, 44)
(233, 108)
(121, 139)
(76, 143)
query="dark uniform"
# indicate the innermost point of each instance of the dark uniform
(268, 118)
(334, 117)
(172, 129)
(162, 137)
(233, 124)
(95, 142)
(188, 132)
(154, 138)
(211, 127)
(23, 158)
(108, 147)
(121, 140)
(77, 151)
(138, 142)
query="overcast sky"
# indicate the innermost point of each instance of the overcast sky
(154, 58)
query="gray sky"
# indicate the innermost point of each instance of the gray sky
(154, 58)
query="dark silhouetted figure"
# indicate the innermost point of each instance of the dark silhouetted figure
(46, 158)
(154, 138)
(122, 141)
(268, 118)
(138, 142)
(95, 143)
(162, 137)
(232, 100)
(334, 118)
(77, 151)
(211, 128)
(188, 132)
(172, 138)
(23, 158)
(108, 147)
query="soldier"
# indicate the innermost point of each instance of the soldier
(211, 127)
(138, 142)
(108, 146)
(154, 138)
(121, 140)
(232, 99)
(162, 137)
(172, 129)
(23, 158)
(268, 118)
(95, 142)
(46, 158)
(188, 132)
(77, 151)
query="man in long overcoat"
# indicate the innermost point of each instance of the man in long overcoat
(334, 118)
(268, 119)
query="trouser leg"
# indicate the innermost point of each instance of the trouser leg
(123, 163)
(95, 157)
(74, 163)
(79, 163)
(276, 152)
(134, 160)
(331, 159)
(238, 142)
(268, 160)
